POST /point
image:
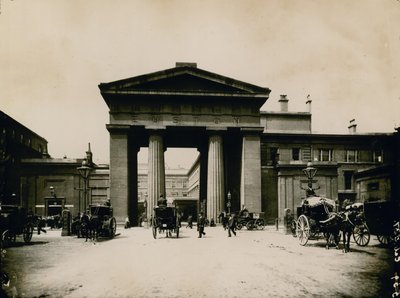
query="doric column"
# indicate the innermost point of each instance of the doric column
(215, 177)
(250, 187)
(156, 172)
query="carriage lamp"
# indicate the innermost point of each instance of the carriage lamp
(84, 171)
(310, 172)
(228, 204)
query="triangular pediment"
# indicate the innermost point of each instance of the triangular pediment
(183, 79)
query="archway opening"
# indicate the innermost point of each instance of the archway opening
(182, 187)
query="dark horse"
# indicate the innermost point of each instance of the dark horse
(89, 227)
(347, 226)
(93, 228)
(331, 228)
(339, 222)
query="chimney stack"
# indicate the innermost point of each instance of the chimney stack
(352, 126)
(308, 103)
(89, 156)
(284, 103)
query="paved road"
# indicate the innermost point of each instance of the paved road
(252, 264)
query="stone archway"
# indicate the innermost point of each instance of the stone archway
(185, 107)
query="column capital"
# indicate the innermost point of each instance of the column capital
(118, 128)
(252, 130)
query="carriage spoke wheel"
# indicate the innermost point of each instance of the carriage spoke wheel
(27, 233)
(384, 239)
(113, 227)
(303, 229)
(361, 235)
(6, 239)
(260, 224)
(249, 225)
(154, 228)
(239, 226)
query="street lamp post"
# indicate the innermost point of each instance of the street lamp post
(145, 209)
(84, 171)
(228, 204)
(203, 206)
(310, 172)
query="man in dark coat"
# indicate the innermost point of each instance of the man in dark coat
(162, 202)
(201, 222)
(231, 225)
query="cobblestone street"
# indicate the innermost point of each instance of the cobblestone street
(252, 264)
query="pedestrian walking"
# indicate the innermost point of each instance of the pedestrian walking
(201, 222)
(190, 222)
(223, 217)
(40, 225)
(231, 225)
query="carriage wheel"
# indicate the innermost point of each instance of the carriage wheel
(154, 228)
(6, 239)
(303, 229)
(260, 224)
(361, 235)
(28, 232)
(239, 226)
(384, 239)
(249, 225)
(112, 228)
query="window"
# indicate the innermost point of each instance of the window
(351, 156)
(324, 155)
(274, 154)
(373, 186)
(296, 154)
(377, 156)
(348, 180)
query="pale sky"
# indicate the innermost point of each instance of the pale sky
(54, 53)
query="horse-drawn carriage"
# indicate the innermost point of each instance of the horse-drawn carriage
(165, 219)
(374, 218)
(380, 217)
(15, 221)
(312, 216)
(100, 223)
(250, 220)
